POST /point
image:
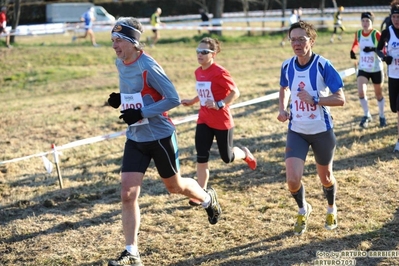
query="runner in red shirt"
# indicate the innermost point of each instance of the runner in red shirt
(216, 90)
(3, 24)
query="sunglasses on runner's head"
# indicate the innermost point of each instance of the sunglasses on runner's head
(301, 39)
(204, 51)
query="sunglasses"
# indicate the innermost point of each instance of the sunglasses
(204, 51)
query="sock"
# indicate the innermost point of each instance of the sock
(299, 197)
(207, 201)
(381, 104)
(303, 210)
(330, 192)
(132, 249)
(332, 209)
(365, 106)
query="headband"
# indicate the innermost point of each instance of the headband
(395, 9)
(126, 32)
(367, 15)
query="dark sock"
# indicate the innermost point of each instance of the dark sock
(299, 196)
(329, 193)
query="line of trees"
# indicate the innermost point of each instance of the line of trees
(216, 7)
(219, 4)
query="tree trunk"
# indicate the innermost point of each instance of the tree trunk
(15, 19)
(283, 8)
(322, 6)
(217, 16)
(265, 8)
(245, 7)
(202, 4)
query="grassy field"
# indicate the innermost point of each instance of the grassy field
(55, 91)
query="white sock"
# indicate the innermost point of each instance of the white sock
(207, 201)
(332, 209)
(303, 210)
(381, 105)
(132, 249)
(364, 104)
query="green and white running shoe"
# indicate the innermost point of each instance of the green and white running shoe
(302, 221)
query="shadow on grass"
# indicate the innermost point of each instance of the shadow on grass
(305, 254)
(64, 226)
(268, 172)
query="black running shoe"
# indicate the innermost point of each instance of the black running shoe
(213, 210)
(383, 122)
(365, 121)
(126, 259)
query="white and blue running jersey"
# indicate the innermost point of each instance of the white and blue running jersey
(318, 78)
(393, 50)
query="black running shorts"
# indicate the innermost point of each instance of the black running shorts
(137, 156)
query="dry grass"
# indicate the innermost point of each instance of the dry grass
(56, 93)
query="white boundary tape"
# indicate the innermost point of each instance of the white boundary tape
(177, 121)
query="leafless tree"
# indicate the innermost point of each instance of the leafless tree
(218, 14)
(245, 8)
(216, 7)
(15, 19)
(203, 4)
(266, 6)
(322, 6)
(283, 4)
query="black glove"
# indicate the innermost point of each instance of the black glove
(387, 59)
(353, 56)
(368, 49)
(131, 116)
(114, 100)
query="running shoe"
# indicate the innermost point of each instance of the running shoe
(396, 149)
(331, 221)
(364, 123)
(302, 221)
(249, 159)
(126, 259)
(383, 122)
(213, 210)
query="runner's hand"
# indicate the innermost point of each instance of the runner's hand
(131, 116)
(387, 59)
(368, 49)
(114, 100)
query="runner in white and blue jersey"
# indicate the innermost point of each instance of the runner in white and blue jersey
(388, 50)
(309, 86)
